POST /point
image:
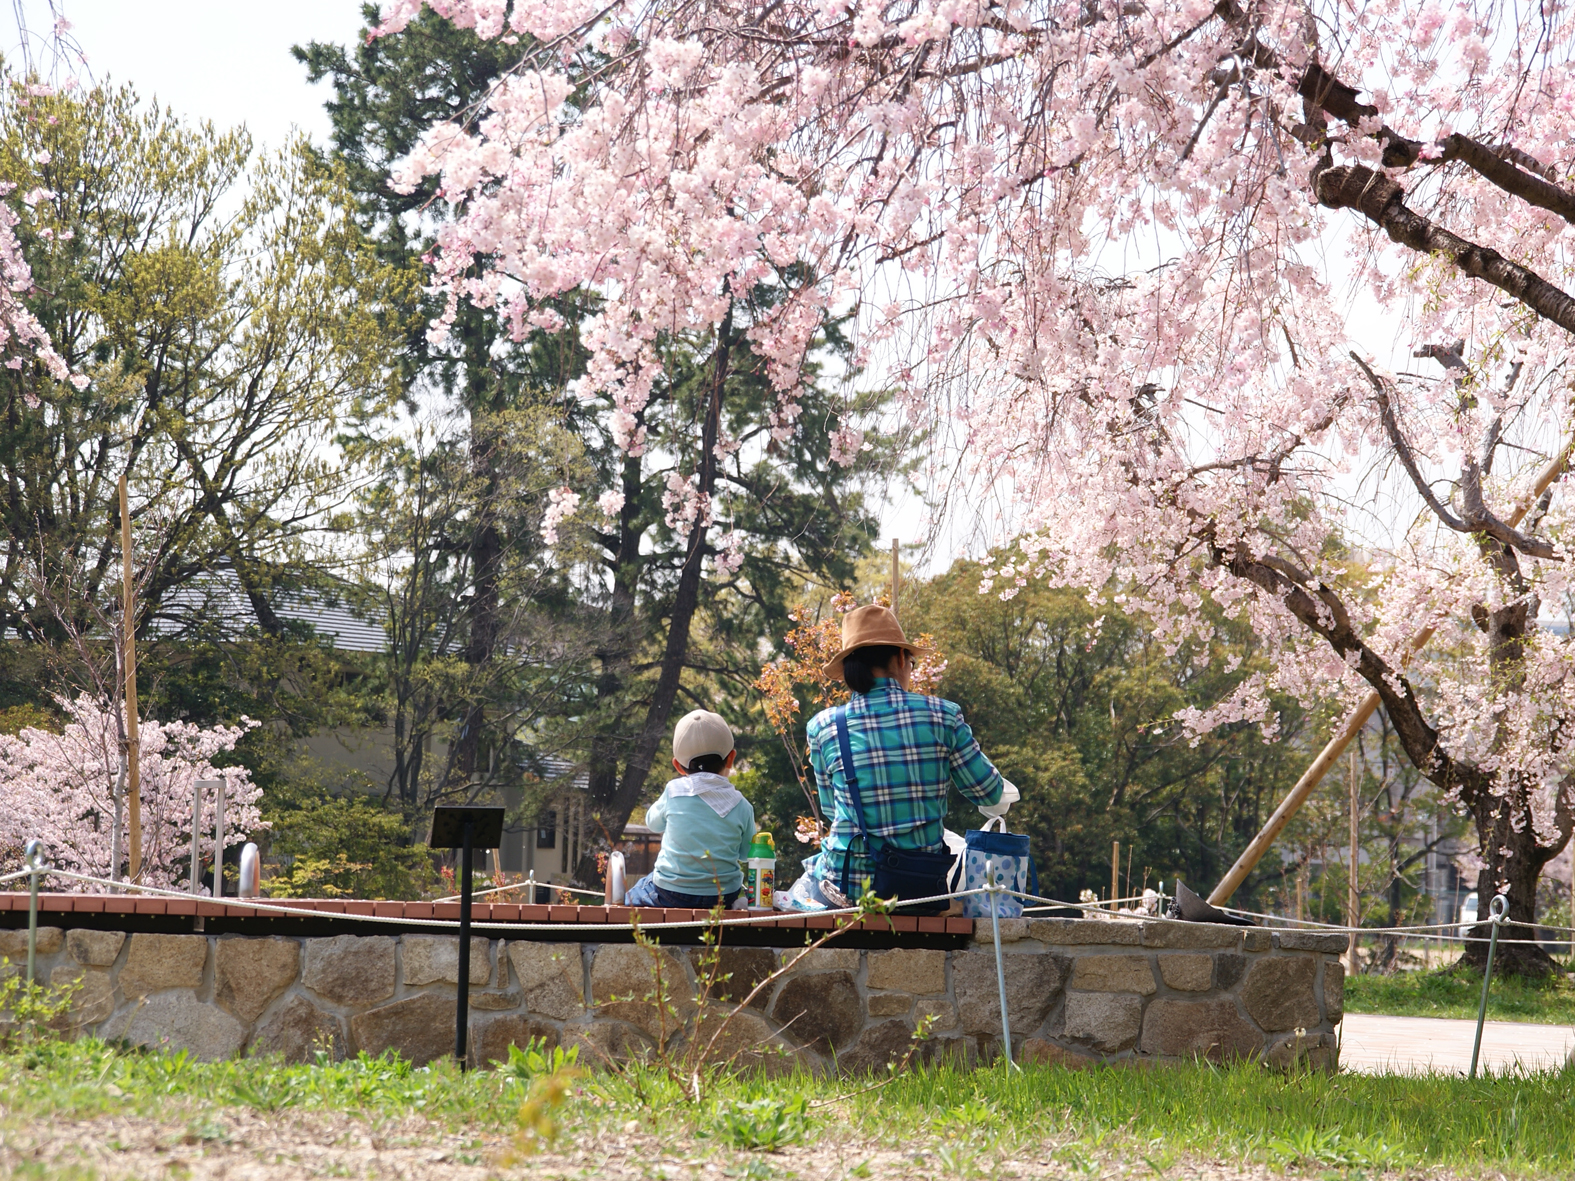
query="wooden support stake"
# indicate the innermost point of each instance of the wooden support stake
(1353, 908)
(1115, 871)
(896, 576)
(1314, 774)
(128, 628)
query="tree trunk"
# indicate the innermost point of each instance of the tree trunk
(612, 818)
(1514, 863)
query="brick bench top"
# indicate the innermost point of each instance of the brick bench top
(550, 922)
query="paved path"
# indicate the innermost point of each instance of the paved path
(1374, 1044)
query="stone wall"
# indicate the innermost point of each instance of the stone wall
(1078, 991)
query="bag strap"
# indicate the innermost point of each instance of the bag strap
(999, 823)
(851, 779)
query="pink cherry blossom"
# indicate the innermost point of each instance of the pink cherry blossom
(60, 788)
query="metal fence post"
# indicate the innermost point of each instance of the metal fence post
(31, 853)
(1000, 969)
(218, 839)
(196, 836)
(1497, 912)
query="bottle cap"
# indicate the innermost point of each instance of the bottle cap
(764, 845)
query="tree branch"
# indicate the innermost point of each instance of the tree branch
(1354, 186)
(1386, 415)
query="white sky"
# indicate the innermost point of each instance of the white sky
(208, 59)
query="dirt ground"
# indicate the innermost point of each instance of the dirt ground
(246, 1145)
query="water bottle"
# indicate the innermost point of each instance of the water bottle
(762, 871)
(615, 885)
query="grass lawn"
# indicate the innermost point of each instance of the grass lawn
(90, 1110)
(1451, 993)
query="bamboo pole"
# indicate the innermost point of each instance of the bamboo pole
(896, 576)
(128, 628)
(1115, 871)
(1353, 900)
(1310, 779)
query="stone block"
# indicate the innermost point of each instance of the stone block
(1211, 1029)
(1038, 1052)
(1187, 973)
(1110, 1022)
(917, 971)
(1112, 973)
(1256, 939)
(98, 949)
(624, 987)
(434, 959)
(738, 970)
(822, 959)
(890, 1004)
(179, 1021)
(297, 1030)
(1278, 993)
(819, 1009)
(94, 998)
(419, 1028)
(1079, 931)
(941, 1009)
(350, 969)
(603, 1042)
(491, 1038)
(884, 1045)
(13, 943)
(492, 1002)
(551, 977)
(248, 974)
(1175, 934)
(1311, 941)
(1311, 1051)
(1333, 991)
(1032, 982)
(1012, 931)
(163, 961)
(1229, 967)
(744, 1041)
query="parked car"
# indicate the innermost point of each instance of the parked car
(1468, 914)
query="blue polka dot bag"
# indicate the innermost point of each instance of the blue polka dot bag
(1011, 865)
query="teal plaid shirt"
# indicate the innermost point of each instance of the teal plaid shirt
(908, 750)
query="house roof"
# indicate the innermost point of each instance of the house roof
(216, 600)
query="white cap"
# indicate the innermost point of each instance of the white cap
(701, 733)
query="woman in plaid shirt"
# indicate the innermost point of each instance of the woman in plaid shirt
(908, 750)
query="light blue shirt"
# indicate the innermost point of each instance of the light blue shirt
(701, 849)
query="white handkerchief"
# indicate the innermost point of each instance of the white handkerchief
(713, 790)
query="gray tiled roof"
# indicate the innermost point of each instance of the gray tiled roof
(216, 600)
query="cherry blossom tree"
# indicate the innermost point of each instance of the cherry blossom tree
(59, 788)
(1138, 256)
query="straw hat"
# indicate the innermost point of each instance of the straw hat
(864, 627)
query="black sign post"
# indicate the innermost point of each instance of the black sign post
(464, 828)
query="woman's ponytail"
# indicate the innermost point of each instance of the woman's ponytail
(858, 666)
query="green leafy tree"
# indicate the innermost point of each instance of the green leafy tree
(225, 307)
(1077, 708)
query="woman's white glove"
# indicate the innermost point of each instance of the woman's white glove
(1009, 796)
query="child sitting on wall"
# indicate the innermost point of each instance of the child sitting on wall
(707, 827)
